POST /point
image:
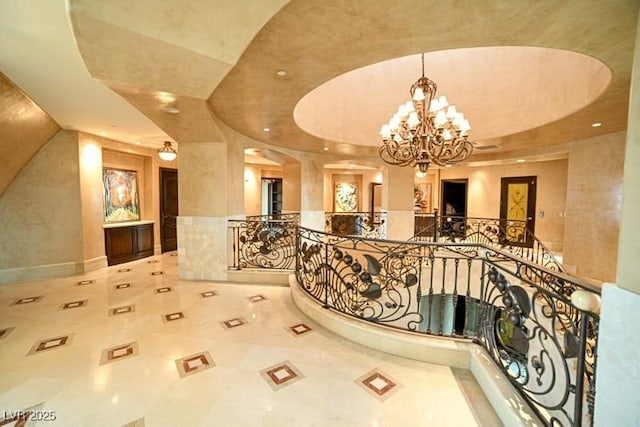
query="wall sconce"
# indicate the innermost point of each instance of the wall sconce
(167, 153)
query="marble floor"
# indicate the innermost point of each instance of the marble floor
(131, 345)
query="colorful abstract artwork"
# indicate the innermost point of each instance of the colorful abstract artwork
(120, 195)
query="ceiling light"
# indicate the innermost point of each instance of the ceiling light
(326, 148)
(281, 73)
(167, 153)
(138, 143)
(596, 124)
(266, 130)
(103, 133)
(421, 174)
(425, 130)
(520, 160)
(170, 109)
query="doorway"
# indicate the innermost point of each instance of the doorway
(272, 197)
(518, 209)
(168, 209)
(454, 197)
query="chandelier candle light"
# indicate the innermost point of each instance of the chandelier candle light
(425, 130)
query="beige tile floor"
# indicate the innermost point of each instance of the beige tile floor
(201, 354)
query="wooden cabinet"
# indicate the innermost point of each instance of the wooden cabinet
(125, 243)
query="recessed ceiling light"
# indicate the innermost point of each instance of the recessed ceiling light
(596, 124)
(103, 133)
(326, 149)
(521, 160)
(138, 143)
(281, 73)
(266, 130)
(171, 110)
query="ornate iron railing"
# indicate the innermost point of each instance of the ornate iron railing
(363, 224)
(508, 235)
(541, 342)
(263, 243)
(291, 217)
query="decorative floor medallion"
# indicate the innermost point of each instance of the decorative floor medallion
(299, 329)
(5, 332)
(194, 363)
(124, 270)
(119, 352)
(122, 286)
(281, 375)
(378, 384)
(173, 316)
(50, 344)
(256, 298)
(208, 294)
(157, 273)
(234, 323)
(122, 310)
(28, 300)
(74, 304)
(163, 290)
(85, 282)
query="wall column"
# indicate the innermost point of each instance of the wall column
(291, 187)
(397, 199)
(211, 192)
(617, 372)
(312, 194)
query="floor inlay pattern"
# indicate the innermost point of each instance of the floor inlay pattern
(74, 304)
(28, 300)
(299, 329)
(194, 363)
(234, 323)
(208, 294)
(173, 316)
(50, 344)
(256, 298)
(118, 352)
(122, 310)
(129, 356)
(378, 384)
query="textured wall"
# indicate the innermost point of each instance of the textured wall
(594, 198)
(40, 211)
(24, 128)
(483, 193)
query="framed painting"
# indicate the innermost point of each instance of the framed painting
(346, 197)
(120, 193)
(422, 197)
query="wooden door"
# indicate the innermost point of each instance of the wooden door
(168, 209)
(518, 210)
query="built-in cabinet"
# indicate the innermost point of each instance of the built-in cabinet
(128, 241)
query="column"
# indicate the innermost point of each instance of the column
(397, 198)
(291, 187)
(312, 194)
(211, 192)
(617, 372)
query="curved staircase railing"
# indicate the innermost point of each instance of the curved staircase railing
(520, 312)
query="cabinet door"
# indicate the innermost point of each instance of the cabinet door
(144, 240)
(119, 244)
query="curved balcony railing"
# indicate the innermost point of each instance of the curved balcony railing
(363, 224)
(507, 235)
(264, 243)
(541, 342)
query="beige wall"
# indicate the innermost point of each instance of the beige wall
(594, 203)
(252, 190)
(40, 211)
(483, 193)
(90, 166)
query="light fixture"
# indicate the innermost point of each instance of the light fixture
(281, 73)
(521, 160)
(167, 153)
(596, 124)
(425, 130)
(266, 129)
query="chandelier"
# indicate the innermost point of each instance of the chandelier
(167, 153)
(425, 130)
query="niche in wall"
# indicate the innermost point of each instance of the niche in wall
(126, 188)
(347, 192)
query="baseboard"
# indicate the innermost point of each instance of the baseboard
(50, 271)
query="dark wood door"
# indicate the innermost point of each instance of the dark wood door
(168, 209)
(518, 209)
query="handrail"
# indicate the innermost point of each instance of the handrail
(365, 224)
(520, 312)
